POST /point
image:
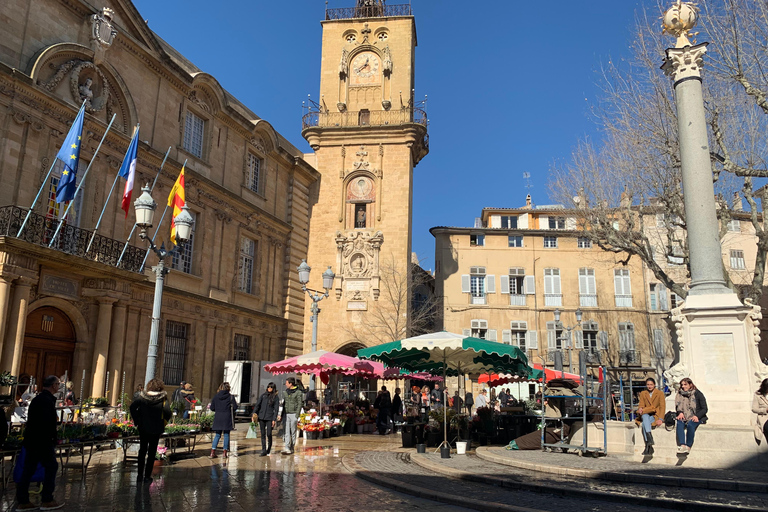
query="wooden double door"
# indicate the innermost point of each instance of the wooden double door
(49, 345)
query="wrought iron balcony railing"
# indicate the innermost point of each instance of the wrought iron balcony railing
(71, 239)
(564, 356)
(376, 10)
(364, 118)
(593, 356)
(629, 357)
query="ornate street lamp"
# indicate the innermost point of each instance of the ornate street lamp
(316, 296)
(145, 210)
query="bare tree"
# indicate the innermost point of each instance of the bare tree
(407, 306)
(629, 188)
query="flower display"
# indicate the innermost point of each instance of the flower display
(162, 453)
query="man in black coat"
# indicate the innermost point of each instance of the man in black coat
(39, 443)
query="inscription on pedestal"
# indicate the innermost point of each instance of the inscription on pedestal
(357, 305)
(361, 286)
(719, 359)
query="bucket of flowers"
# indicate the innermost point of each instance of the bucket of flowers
(161, 455)
(312, 430)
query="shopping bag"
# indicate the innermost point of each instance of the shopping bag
(37, 476)
(251, 433)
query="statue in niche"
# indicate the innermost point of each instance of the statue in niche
(357, 263)
(86, 94)
(360, 216)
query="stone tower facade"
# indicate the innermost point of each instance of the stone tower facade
(367, 134)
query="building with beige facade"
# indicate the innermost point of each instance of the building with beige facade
(503, 279)
(233, 293)
(368, 133)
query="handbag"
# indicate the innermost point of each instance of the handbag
(37, 476)
(252, 434)
(669, 419)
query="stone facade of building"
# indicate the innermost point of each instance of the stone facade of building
(232, 294)
(367, 134)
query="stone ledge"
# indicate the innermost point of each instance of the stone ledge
(485, 453)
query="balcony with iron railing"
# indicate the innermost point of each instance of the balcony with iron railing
(373, 9)
(623, 301)
(553, 299)
(554, 354)
(516, 300)
(71, 240)
(587, 300)
(629, 357)
(346, 119)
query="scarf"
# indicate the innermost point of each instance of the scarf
(688, 403)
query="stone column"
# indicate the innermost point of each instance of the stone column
(101, 346)
(13, 342)
(115, 360)
(5, 299)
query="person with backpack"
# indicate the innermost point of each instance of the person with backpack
(469, 401)
(265, 412)
(223, 406)
(383, 403)
(150, 412)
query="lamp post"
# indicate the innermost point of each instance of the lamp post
(316, 296)
(568, 329)
(145, 210)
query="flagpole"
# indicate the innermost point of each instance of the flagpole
(122, 253)
(42, 186)
(158, 227)
(109, 196)
(82, 180)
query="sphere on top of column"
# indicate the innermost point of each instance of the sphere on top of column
(679, 20)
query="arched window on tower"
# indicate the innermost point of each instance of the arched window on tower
(361, 200)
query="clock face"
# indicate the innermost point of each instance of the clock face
(365, 67)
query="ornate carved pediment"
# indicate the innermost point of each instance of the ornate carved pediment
(102, 32)
(359, 253)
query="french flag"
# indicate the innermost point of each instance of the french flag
(128, 170)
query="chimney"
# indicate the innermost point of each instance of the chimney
(528, 202)
(736, 204)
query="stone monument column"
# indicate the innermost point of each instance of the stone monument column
(101, 346)
(716, 333)
(17, 322)
(115, 355)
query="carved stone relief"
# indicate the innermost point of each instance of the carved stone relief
(102, 33)
(358, 259)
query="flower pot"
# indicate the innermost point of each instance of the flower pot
(113, 435)
(360, 429)
(158, 463)
(461, 447)
(326, 433)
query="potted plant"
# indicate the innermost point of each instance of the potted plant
(161, 455)
(7, 385)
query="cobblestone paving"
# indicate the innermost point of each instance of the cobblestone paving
(313, 479)
(613, 464)
(474, 465)
(397, 466)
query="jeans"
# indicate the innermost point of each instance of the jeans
(647, 424)
(289, 435)
(685, 432)
(47, 458)
(147, 450)
(266, 435)
(218, 436)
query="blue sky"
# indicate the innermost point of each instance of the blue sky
(510, 84)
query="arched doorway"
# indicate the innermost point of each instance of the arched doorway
(49, 344)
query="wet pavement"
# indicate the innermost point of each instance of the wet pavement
(312, 479)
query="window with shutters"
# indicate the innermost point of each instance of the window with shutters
(254, 172)
(516, 287)
(174, 352)
(479, 329)
(242, 349)
(552, 293)
(183, 262)
(477, 285)
(476, 240)
(587, 288)
(515, 241)
(622, 288)
(550, 242)
(517, 334)
(737, 259)
(194, 129)
(509, 221)
(557, 223)
(589, 335)
(674, 300)
(628, 354)
(658, 344)
(658, 297)
(554, 336)
(583, 243)
(245, 270)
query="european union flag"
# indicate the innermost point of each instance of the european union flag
(69, 155)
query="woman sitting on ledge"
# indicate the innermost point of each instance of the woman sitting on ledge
(691, 408)
(760, 407)
(649, 412)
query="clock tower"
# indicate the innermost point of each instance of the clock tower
(367, 133)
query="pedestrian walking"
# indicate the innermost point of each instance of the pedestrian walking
(150, 412)
(397, 408)
(176, 396)
(760, 408)
(69, 397)
(39, 442)
(292, 401)
(503, 397)
(223, 406)
(383, 403)
(436, 397)
(424, 404)
(482, 399)
(457, 402)
(649, 412)
(469, 401)
(691, 408)
(265, 412)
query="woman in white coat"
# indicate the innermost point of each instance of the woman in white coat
(760, 407)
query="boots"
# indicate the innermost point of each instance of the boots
(226, 454)
(212, 455)
(140, 474)
(649, 439)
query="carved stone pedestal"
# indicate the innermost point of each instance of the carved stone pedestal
(718, 338)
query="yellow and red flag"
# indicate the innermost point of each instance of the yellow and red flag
(176, 200)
